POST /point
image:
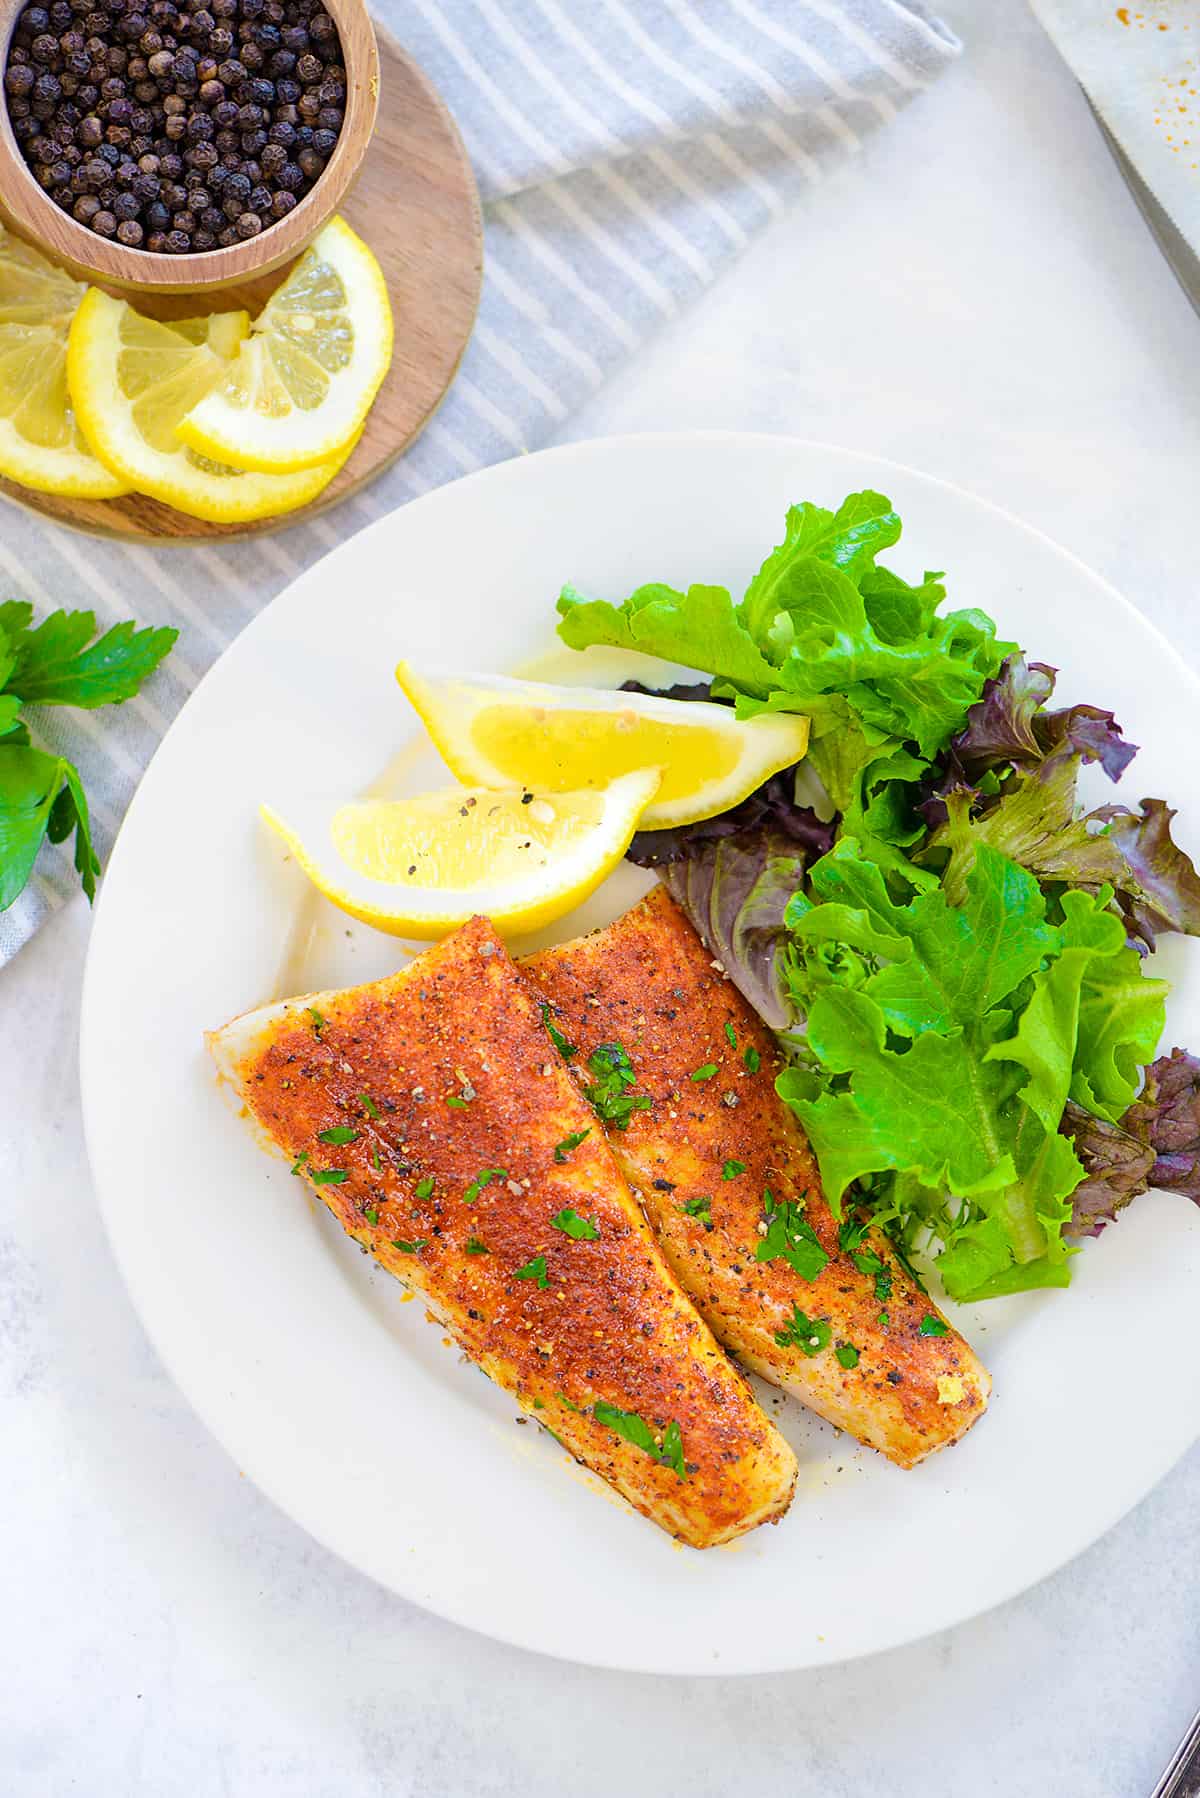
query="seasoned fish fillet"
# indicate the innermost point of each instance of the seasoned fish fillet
(719, 1162)
(432, 1116)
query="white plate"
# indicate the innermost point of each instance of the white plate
(340, 1400)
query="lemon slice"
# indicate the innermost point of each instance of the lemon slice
(132, 379)
(303, 382)
(420, 867)
(492, 731)
(41, 445)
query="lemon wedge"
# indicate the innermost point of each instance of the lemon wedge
(303, 382)
(132, 379)
(420, 867)
(41, 445)
(492, 731)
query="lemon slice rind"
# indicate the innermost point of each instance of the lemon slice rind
(255, 415)
(491, 730)
(516, 904)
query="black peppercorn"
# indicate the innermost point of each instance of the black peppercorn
(99, 93)
(178, 243)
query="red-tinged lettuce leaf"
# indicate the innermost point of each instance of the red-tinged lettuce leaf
(735, 890)
(999, 728)
(1094, 734)
(1156, 1143)
(1168, 1113)
(1118, 1163)
(1010, 727)
(1033, 818)
(1162, 891)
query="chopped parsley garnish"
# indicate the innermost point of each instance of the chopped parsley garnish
(699, 1207)
(933, 1326)
(790, 1235)
(869, 1263)
(564, 1400)
(847, 1354)
(339, 1134)
(730, 1034)
(539, 1404)
(883, 1320)
(668, 1452)
(607, 1095)
(457, 1101)
(368, 1104)
(732, 1169)
(476, 1247)
(809, 1334)
(565, 1049)
(752, 1059)
(376, 1163)
(371, 1215)
(330, 1176)
(318, 1022)
(704, 1073)
(579, 1229)
(409, 1248)
(483, 1178)
(563, 1149)
(424, 1188)
(301, 1158)
(533, 1270)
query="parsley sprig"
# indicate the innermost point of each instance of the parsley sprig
(667, 1450)
(609, 1095)
(59, 662)
(809, 1334)
(790, 1236)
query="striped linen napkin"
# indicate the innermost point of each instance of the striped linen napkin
(625, 151)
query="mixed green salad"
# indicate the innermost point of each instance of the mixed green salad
(953, 952)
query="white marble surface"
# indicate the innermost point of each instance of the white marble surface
(978, 297)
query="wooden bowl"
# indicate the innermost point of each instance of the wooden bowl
(90, 257)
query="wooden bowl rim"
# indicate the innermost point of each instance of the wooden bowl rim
(54, 232)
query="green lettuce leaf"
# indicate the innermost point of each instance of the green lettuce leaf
(820, 630)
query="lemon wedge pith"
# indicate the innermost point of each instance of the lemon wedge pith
(493, 731)
(41, 445)
(132, 379)
(302, 384)
(420, 867)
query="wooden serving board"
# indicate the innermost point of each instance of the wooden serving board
(415, 202)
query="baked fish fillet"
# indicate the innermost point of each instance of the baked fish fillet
(433, 1117)
(715, 1148)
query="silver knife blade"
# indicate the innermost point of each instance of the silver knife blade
(1181, 1779)
(1181, 258)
